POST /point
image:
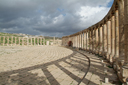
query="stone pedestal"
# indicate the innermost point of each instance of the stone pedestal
(124, 72)
(47, 43)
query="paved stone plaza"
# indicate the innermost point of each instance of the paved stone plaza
(50, 65)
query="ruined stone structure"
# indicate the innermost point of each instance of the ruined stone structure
(107, 38)
(11, 41)
(26, 41)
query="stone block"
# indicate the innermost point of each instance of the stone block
(124, 71)
(47, 43)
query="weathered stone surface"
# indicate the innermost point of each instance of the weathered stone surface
(50, 65)
(112, 36)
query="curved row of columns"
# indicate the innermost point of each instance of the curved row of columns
(6, 40)
(107, 38)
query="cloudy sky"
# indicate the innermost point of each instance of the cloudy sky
(51, 17)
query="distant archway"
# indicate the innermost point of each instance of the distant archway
(70, 43)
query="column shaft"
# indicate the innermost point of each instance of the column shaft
(3, 40)
(82, 39)
(12, 40)
(109, 40)
(126, 30)
(96, 42)
(44, 41)
(93, 44)
(87, 40)
(22, 41)
(98, 39)
(117, 33)
(15, 40)
(101, 40)
(113, 36)
(105, 40)
(19, 40)
(8, 40)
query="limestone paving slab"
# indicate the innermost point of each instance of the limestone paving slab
(48, 65)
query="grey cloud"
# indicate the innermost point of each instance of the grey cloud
(25, 16)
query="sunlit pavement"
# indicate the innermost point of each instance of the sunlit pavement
(50, 65)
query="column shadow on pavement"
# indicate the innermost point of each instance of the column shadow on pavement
(23, 76)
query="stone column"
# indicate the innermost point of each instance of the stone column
(91, 40)
(87, 40)
(27, 41)
(126, 29)
(37, 40)
(31, 41)
(72, 40)
(3, 40)
(124, 69)
(19, 40)
(11, 40)
(82, 36)
(84, 41)
(0, 40)
(54, 40)
(43, 41)
(80, 40)
(34, 41)
(113, 37)
(97, 41)
(105, 40)
(8, 41)
(15, 40)
(101, 41)
(117, 34)
(121, 31)
(75, 41)
(22, 41)
(109, 41)
(47, 43)
(40, 41)
(93, 44)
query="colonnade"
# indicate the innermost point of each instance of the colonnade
(107, 38)
(11, 40)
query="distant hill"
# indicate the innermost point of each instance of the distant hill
(24, 35)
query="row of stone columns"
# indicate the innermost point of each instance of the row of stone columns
(109, 38)
(6, 40)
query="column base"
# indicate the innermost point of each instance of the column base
(105, 55)
(108, 56)
(124, 73)
(100, 53)
(112, 58)
(90, 51)
(96, 52)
